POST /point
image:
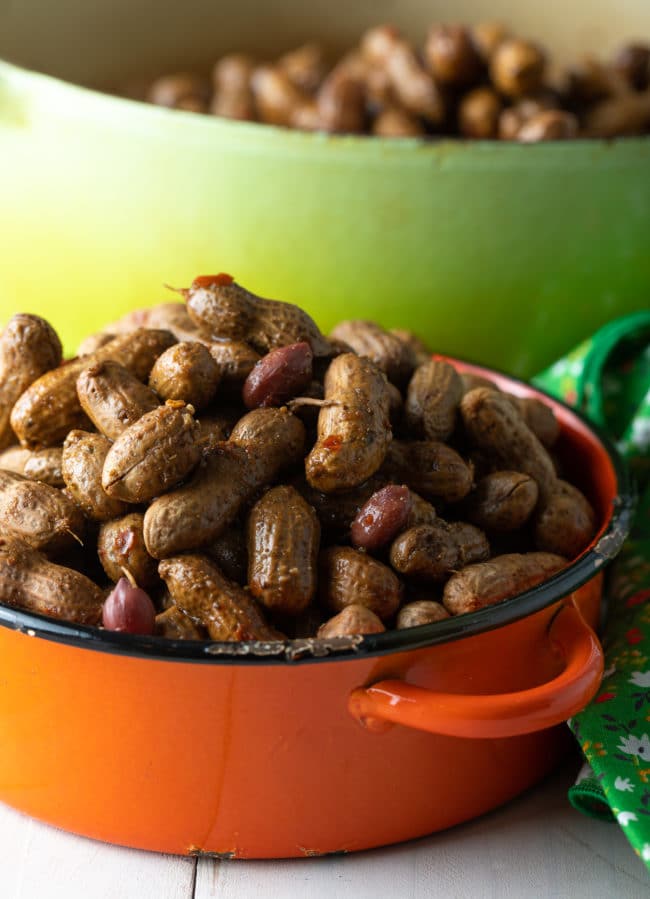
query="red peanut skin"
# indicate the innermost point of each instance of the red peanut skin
(280, 375)
(381, 518)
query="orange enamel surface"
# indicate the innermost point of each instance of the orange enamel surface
(500, 714)
(263, 760)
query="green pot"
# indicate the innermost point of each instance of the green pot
(503, 253)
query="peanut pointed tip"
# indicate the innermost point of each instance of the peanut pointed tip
(183, 291)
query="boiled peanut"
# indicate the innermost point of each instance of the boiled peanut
(113, 398)
(353, 427)
(230, 554)
(14, 458)
(45, 465)
(186, 372)
(152, 455)
(274, 437)
(517, 67)
(89, 345)
(172, 90)
(422, 611)
(260, 446)
(471, 381)
(216, 427)
(304, 66)
(39, 515)
(28, 580)
(283, 543)
(431, 468)
(566, 523)
(434, 551)
(121, 547)
(418, 349)
(276, 97)
(413, 85)
(176, 625)
(201, 591)
(340, 103)
(172, 317)
(82, 464)
(628, 114)
(36, 465)
(500, 578)
(50, 407)
(493, 423)
(452, 55)
(633, 62)
(549, 124)
(479, 112)
(280, 375)
(487, 36)
(393, 121)
(421, 512)
(502, 501)
(393, 356)
(348, 577)
(235, 361)
(432, 400)
(29, 347)
(353, 619)
(222, 307)
(233, 98)
(540, 418)
(381, 517)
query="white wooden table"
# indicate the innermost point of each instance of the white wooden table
(536, 846)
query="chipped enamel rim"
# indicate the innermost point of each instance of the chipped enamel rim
(603, 548)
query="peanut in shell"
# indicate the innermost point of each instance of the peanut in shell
(503, 501)
(200, 590)
(121, 547)
(502, 577)
(494, 424)
(152, 455)
(113, 398)
(29, 581)
(39, 515)
(84, 455)
(353, 428)
(50, 407)
(283, 541)
(393, 356)
(29, 347)
(432, 399)
(348, 576)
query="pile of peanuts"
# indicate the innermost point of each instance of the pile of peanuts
(476, 81)
(219, 469)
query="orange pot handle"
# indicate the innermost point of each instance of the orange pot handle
(498, 715)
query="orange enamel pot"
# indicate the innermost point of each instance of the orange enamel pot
(305, 748)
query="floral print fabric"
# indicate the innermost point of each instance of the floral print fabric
(608, 378)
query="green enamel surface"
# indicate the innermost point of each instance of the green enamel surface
(505, 254)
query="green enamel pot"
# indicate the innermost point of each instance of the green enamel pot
(505, 254)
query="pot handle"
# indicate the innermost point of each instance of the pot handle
(389, 702)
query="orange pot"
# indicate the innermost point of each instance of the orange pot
(274, 750)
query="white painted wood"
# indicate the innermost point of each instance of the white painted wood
(537, 846)
(41, 862)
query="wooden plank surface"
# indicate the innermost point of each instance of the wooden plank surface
(537, 846)
(41, 862)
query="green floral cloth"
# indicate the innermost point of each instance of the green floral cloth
(608, 379)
